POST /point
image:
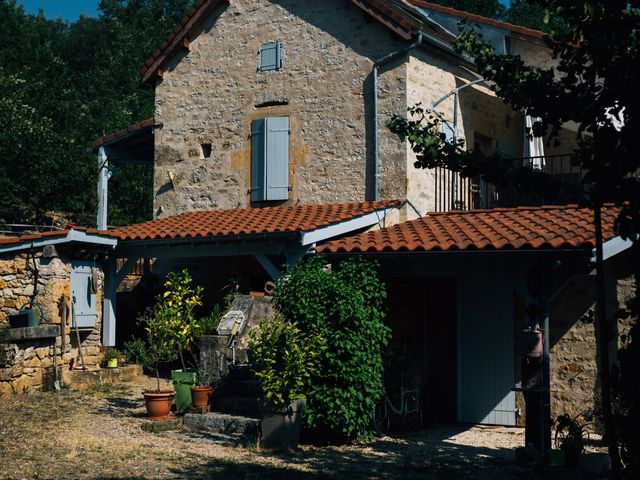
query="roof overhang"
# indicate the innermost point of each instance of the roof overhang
(249, 243)
(71, 236)
(613, 247)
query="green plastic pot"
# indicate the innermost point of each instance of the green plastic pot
(112, 363)
(182, 381)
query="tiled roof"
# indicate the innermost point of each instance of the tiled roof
(529, 32)
(149, 122)
(179, 36)
(499, 229)
(248, 221)
(34, 236)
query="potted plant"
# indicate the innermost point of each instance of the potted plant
(569, 438)
(200, 395)
(175, 309)
(283, 359)
(111, 357)
(158, 348)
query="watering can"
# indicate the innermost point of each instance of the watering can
(29, 315)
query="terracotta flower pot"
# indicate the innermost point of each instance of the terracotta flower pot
(200, 395)
(158, 403)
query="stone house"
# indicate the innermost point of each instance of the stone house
(262, 102)
(268, 144)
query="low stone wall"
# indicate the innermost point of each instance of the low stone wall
(27, 363)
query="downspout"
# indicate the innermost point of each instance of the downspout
(376, 66)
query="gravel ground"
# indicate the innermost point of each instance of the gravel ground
(96, 433)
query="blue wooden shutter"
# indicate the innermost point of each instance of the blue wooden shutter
(277, 158)
(270, 56)
(258, 154)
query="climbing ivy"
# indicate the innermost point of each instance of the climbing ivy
(344, 304)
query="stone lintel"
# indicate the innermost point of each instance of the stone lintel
(32, 333)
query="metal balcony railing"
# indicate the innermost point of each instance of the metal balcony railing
(561, 185)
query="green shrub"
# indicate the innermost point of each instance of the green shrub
(344, 307)
(134, 351)
(284, 358)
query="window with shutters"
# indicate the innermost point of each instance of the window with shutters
(270, 159)
(270, 57)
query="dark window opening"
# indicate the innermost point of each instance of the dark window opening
(206, 150)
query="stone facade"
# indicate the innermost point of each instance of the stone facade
(211, 95)
(27, 363)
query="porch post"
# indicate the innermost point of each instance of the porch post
(103, 180)
(546, 376)
(109, 303)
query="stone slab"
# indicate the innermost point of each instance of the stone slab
(31, 333)
(222, 423)
(97, 377)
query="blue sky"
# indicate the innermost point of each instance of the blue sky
(65, 9)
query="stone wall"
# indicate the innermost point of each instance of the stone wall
(211, 94)
(27, 363)
(215, 355)
(574, 358)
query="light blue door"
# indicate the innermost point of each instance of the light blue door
(486, 365)
(83, 295)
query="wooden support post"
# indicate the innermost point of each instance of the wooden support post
(109, 303)
(103, 180)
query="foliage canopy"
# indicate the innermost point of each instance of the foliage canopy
(63, 85)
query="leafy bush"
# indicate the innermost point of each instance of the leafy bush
(344, 307)
(208, 324)
(134, 351)
(284, 358)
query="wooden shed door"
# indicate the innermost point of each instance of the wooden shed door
(486, 352)
(84, 299)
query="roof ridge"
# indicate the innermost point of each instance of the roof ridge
(532, 32)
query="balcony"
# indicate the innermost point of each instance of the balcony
(561, 184)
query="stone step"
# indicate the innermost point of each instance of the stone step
(245, 406)
(224, 424)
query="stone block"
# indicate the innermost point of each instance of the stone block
(8, 353)
(223, 423)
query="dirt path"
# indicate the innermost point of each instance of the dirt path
(96, 433)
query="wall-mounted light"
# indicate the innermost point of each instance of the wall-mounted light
(170, 175)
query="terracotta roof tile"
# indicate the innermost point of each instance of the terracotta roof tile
(248, 221)
(499, 229)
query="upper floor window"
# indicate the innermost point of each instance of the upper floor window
(270, 58)
(270, 159)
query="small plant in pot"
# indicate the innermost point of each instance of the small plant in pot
(569, 438)
(111, 357)
(283, 359)
(157, 349)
